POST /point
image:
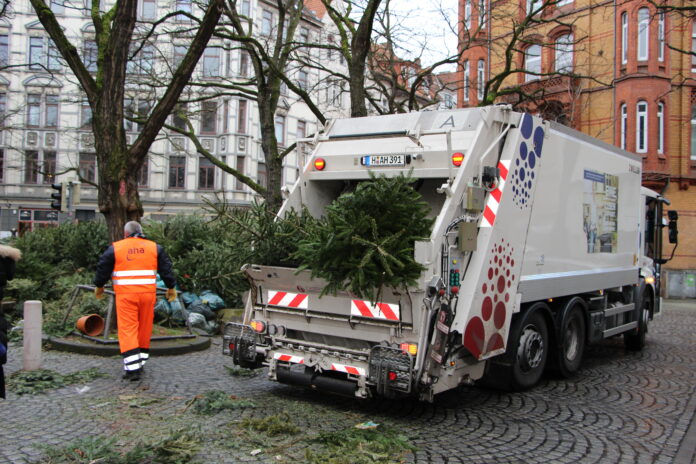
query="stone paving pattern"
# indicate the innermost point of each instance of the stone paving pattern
(623, 407)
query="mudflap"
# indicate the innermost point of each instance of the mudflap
(391, 370)
(239, 341)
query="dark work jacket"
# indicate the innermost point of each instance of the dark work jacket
(105, 267)
(8, 262)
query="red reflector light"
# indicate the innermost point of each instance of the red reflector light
(392, 375)
(231, 346)
(258, 326)
(457, 159)
(319, 164)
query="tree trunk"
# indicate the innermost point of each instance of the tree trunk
(357, 88)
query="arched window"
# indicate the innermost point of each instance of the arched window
(660, 127)
(642, 127)
(481, 80)
(564, 53)
(624, 38)
(481, 12)
(643, 33)
(661, 36)
(532, 62)
(467, 13)
(466, 80)
(624, 125)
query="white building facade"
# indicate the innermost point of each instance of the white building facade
(46, 134)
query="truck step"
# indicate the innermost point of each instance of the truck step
(620, 329)
(619, 309)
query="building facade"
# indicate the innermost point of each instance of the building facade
(46, 134)
(619, 71)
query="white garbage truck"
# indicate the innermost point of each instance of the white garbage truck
(543, 242)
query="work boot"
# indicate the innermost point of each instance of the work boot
(132, 375)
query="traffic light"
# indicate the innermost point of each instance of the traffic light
(673, 232)
(60, 198)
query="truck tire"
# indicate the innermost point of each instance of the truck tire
(524, 360)
(635, 339)
(530, 342)
(571, 336)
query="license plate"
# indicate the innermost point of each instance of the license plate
(383, 160)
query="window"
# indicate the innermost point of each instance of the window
(481, 80)
(49, 167)
(33, 110)
(534, 7)
(262, 176)
(280, 129)
(304, 35)
(90, 55)
(642, 127)
(624, 38)
(143, 111)
(693, 133)
(660, 127)
(147, 59)
(449, 101)
(209, 117)
(238, 184)
(3, 107)
(693, 48)
(466, 81)
(88, 166)
(4, 50)
(643, 32)
(329, 51)
(206, 174)
(532, 63)
(179, 117)
(481, 12)
(85, 115)
(211, 62)
(661, 36)
(2, 165)
(143, 173)
(36, 52)
(245, 8)
(51, 111)
(31, 167)
(242, 117)
(225, 116)
(624, 125)
(266, 22)
(563, 2)
(301, 130)
(467, 13)
(302, 80)
(564, 53)
(148, 9)
(243, 63)
(179, 54)
(185, 7)
(57, 7)
(177, 171)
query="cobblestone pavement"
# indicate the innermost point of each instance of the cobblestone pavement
(623, 407)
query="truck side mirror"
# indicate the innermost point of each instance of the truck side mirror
(673, 232)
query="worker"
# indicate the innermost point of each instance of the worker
(132, 265)
(8, 263)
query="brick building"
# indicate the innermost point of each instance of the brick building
(619, 71)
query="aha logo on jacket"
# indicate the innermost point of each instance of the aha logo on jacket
(132, 252)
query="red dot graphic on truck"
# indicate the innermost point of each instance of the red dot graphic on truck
(523, 169)
(496, 289)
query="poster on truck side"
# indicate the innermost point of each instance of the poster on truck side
(599, 209)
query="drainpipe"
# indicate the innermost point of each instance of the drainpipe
(613, 83)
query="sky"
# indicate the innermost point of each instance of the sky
(426, 28)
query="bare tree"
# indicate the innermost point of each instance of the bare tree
(104, 88)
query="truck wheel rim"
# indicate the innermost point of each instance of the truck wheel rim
(571, 340)
(531, 348)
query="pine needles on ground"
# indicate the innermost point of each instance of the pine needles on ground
(33, 382)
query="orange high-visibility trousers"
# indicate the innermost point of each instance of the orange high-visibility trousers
(135, 313)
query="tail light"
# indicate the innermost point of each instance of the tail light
(319, 164)
(258, 326)
(457, 159)
(410, 348)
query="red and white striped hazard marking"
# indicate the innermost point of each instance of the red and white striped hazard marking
(494, 198)
(288, 358)
(348, 369)
(287, 299)
(376, 311)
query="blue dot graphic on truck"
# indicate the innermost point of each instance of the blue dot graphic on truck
(529, 153)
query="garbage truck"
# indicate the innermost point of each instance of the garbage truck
(543, 241)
